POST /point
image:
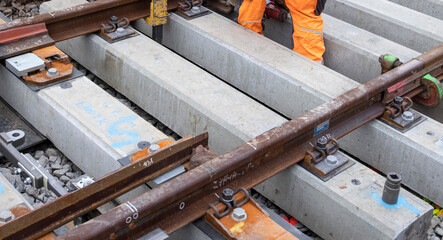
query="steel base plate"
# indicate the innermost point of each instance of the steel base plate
(405, 124)
(115, 37)
(75, 74)
(191, 15)
(10, 120)
(343, 162)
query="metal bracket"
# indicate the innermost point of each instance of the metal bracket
(117, 30)
(400, 115)
(42, 68)
(324, 161)
(32, 171)
(190, 10)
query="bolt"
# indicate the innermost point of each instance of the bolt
(195, 9)
(392, 188)
(6, 216)
(408, 116)
(239, 214)
(120, 30)
(321, 143)
(227, 195)
(398, 100)
(331, 160)
(114, 19)
(153, 148)
(52, 72)
(18, 171)
(28, 181)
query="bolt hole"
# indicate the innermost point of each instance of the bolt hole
(394, 176)
(430, 133)
(355, 181)
(16, 134)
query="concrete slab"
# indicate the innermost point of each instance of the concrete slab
(293, 84)
(405, 26)
(432, 8)
(88, 125)
(373, 219)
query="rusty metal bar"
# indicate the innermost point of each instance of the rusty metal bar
(82, 19)
(77, 203)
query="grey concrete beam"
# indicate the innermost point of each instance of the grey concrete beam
(349, 189)
(405, 26)
(293, 84)
(432, 8)
(92, 128)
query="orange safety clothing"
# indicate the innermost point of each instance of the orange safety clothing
(308, 29)
(251, 13)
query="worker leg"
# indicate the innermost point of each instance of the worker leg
(308, 29)
(251, 13)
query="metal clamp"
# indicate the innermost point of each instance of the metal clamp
(324, 160)
(228, 199)
(400, 115)
(32, 171)
(117, 30)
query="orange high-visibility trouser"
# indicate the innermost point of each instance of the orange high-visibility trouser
(308, 28)
(251, 13)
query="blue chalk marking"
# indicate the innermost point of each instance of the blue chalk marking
(113, 131)
(1, 188)
(400, 203)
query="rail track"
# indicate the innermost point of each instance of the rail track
(309, 139)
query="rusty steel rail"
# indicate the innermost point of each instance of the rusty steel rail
(82, 201)
(186, 197)
(71, 22)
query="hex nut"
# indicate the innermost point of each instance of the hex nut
(153, 148)
(52, 72)
(331, 160)
(239, 215)
(408, 116)
(6, 216)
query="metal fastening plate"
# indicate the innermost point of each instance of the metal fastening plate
(118, 35)
(403, 124)
(75, 74)
(22, 65)
(190, 14)
(325, 170)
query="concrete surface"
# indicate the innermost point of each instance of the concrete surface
(432, 8)
(292, 84)
(92, 128)
(373, 219)
(405, 26)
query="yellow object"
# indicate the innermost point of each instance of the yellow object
(251, 13)
(159, 13)
(237, 228)
(308, 29)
